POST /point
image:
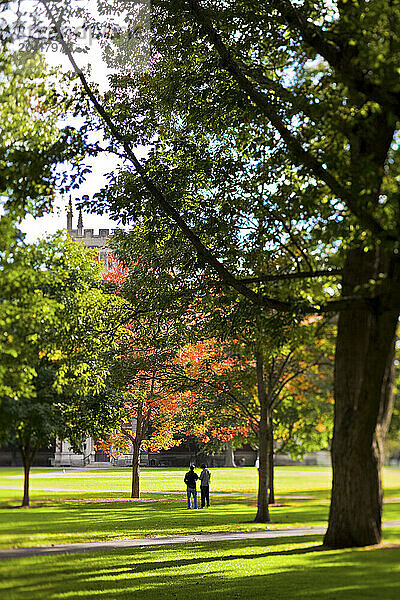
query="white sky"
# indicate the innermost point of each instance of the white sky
(52, 222)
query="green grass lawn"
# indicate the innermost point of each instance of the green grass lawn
(92, 505)
(246, 570)
(85, 512)
(244, 480)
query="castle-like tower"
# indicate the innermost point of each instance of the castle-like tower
(89, 239)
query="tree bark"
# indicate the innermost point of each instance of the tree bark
(271, 482)
(136, 470)
(363, 391)
(262, 515)
(135, 492)
(13, 455)
(27, 468)
(386, 408)
(229, 455)
(27, 456)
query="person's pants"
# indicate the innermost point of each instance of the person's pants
(191, 492)
(205, 495)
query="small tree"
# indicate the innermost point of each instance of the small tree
(153, 404)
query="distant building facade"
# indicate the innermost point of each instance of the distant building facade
(89, 239)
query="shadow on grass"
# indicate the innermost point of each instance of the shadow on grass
(60, 523)
(121, 519)
(247, 570)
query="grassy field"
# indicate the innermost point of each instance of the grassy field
(246, 570)
(90, 505)
(244, 480)
(94, 505)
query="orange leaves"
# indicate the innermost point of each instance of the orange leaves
(320, 427)
(116, 445)
(229, 433)
(115, 273)
(205, 359)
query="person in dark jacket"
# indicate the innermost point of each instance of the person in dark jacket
(190, 479)
(205, 477)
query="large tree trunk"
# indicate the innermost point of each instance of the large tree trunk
(135, 470)
(363, 390)
(229, 455)
(262, 515)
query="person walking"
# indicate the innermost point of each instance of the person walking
(205, 478)
(190, 479)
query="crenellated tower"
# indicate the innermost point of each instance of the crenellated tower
(88, 238)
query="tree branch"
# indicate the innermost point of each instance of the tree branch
(302, 156)
(128, 434)
(300, 104)
(335, 53)
(313, 35)
(261, 100)
(347, 303)
(158, 195)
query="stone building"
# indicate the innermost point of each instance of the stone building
(89, 239)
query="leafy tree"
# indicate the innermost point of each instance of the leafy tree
(142, 375)
(156, 371)
(59, 320)
(305, 96)
(224, 372)
(266, 393)
(33, 144)
(152, 406)
(161, 280)
(16, 353)
(33, 140)
(205, 368)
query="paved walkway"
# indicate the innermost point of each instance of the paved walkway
(163, 541)
(158, 541)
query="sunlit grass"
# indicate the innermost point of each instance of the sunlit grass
(245, 570)
(92, 508)
(244, 480)
(290, 480)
